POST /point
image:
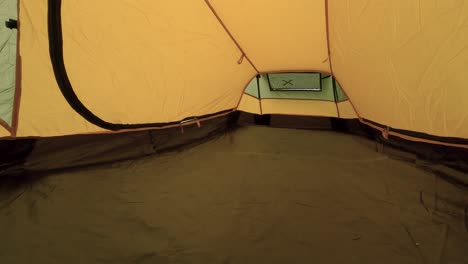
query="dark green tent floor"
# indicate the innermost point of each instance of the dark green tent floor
(256, 195)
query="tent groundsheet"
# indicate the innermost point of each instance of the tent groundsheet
(252, 195)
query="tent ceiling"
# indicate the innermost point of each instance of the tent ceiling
(278, 35)
(402, 63)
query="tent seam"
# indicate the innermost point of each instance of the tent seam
(18, 83)
(327, 24)
(231, 36)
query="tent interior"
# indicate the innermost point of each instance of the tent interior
(247, 131)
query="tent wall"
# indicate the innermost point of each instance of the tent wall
(4, 132)
(249, 104)
(53, 153)
(299, 107)
(252, 105)
(278, 35)
(404, 63)
(8, 40)
(346, 110)
(128, 66)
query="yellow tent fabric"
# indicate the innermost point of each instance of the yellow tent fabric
(402, 63)
(346, 110)
(250, 104)
(279, 35)
(4, 132)
(161, 64)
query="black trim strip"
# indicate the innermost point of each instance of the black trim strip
(258, 86)
(58, 64)
(335, 92)
(450, 140)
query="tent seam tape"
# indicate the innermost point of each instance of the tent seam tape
(327, 23)
(412, 138)
(230, 35)
(18, 83)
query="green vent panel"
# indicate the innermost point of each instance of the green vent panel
(295, 81)
(8, 10)
(304, 87)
